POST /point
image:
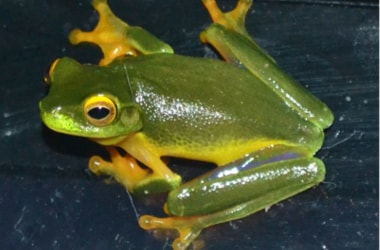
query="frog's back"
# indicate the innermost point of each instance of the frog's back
(195, 103)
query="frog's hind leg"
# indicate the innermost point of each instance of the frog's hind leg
(236, 191)
(228, 36)
(116, 38)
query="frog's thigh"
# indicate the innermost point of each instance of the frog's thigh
(262, 186)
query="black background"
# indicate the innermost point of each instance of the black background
(48, 200)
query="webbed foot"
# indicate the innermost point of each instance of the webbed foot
(124, 169)
(188, 229)
(116, 38)
(228, 28)
(232, 20)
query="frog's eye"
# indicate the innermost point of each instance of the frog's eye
(50, 71)
(99, 110)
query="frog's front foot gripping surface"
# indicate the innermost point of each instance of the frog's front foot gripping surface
(126, 171)
(108, 34)
(116, 38)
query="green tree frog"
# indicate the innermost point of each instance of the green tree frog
(247, 116)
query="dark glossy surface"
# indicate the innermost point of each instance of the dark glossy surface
(48, 200)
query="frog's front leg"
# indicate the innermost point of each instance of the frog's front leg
(156, 177)
(235, 191)
(116, 38)
(160, 178)
(124, 169)
(229, 37)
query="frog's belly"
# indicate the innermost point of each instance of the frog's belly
(220, 153)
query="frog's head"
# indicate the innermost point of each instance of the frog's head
(89, 101)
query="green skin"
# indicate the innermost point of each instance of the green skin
(203, 104)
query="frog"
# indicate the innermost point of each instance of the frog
(142, 102)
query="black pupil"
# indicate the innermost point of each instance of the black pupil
(99, 113)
